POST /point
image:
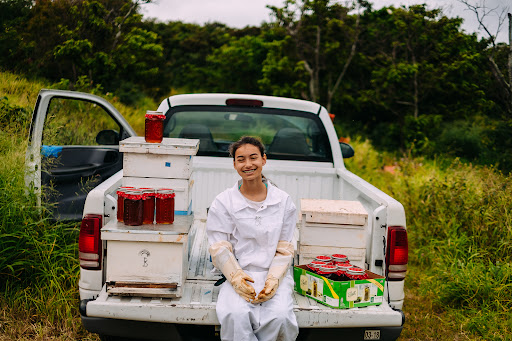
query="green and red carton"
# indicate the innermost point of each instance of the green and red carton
(339, 294)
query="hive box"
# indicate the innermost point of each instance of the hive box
(339, 294)
(182, 188)
(147, 260)
(169, 159)
(333, 226)
(340, 212)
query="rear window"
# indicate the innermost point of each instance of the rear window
(287, 134)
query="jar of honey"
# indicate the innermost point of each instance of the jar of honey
(326, 259)
(355, 273)
(328, 271)
(339, 258)
(148, 202)
(133, 207)
(154, 127)
(315, 265)
(120, 202)
(164, 206)
(342, 269)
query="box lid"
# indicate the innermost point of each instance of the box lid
(333, 211)
(169, 146)
(166, 233)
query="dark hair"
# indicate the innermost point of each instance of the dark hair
(255, 141)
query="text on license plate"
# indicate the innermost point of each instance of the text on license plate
(372, 334)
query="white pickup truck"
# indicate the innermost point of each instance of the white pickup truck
(74, 147)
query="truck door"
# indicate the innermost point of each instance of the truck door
(73, 146)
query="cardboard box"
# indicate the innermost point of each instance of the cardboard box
(172, 158)
(339, 294)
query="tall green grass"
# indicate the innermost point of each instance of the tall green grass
(39, 267)
(459, 222)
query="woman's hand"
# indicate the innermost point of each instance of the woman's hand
(242, 288)
(269, 290)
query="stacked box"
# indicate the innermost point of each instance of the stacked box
(333, 226)
(160, 165)
(152, 260)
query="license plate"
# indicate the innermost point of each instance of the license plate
(372, 334)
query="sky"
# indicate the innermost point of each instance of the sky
(241, 13)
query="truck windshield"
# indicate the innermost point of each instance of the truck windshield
(286, 134)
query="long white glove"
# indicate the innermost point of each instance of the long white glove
(280, 264)
(224, 260)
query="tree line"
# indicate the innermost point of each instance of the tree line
(410, 79)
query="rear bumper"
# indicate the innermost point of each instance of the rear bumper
(177, 332)
(182, 332)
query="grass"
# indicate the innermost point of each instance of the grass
(460, 243)
(459, 283)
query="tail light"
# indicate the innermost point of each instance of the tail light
(89, 242)
(244, 102)
(397, 253)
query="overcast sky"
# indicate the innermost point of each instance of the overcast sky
(240, 13)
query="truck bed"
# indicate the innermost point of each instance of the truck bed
(197, 305)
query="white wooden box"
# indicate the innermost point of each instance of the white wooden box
(171, 158)
(341, 212)
(182, 188)
(348, 236)
(147, 254)
(307, 253)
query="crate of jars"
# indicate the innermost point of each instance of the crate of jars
(169, 159)
(333, 281)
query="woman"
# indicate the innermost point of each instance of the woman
(250, 228)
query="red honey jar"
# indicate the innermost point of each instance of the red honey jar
(314, 266)
(342, 268)
(326, 259)
(328, 271)
(148, 202)
(133, 207)
(164, 206)
(355, 273)
(339, 258)
(120, 202)
(154, 127)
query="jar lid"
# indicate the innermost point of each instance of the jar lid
(323, 258)
(122, 190)
(316, 264)
(133, 194)
(147, 190)
(355, 271)
(165, 193)
(344, 266)
(327, 268)
(155, 114)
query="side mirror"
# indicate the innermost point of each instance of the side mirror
(108, 137)
(346, 150)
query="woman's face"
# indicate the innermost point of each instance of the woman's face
(249, 162)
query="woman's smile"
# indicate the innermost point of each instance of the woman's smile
(249, 162)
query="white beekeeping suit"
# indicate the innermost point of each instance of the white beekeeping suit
(251, 241)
